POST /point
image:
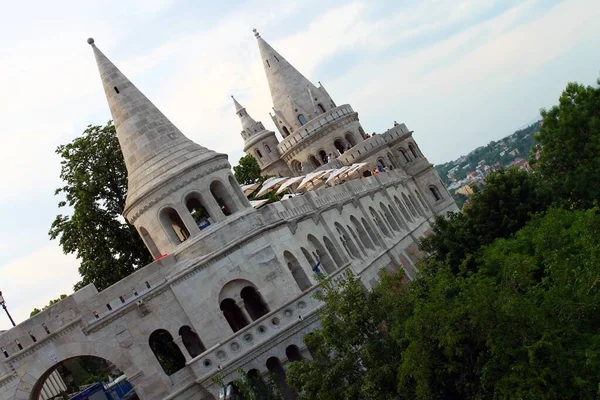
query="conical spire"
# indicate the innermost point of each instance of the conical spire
(249, 125)
(289, 87)
(237, 105)
(155, 151)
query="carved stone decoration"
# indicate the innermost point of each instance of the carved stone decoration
(143, 309)
(123, 336)
(316, 217)
(340, 209)
(355, 203)
(372, 194)
(293, 226)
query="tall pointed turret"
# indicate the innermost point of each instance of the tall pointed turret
(155, 151)
(290, 90)
(248, 123)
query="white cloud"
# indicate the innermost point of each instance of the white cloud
(33, 280)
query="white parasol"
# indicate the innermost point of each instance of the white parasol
(248, 189)
(270, 185)
(289, 183)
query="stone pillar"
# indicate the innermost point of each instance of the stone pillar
(179, 342)
(242, 307)
(212, 207)
(188, 220)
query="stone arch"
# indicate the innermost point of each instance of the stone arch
(292, 352)
(410, 206)
(191, 341)
(258, 153)
(417, 206)
(347, 241)
(31, 382)
(297, 272)
(403, 209)
(437, 196)
(322, 155)
(233, 314)
(197, 207)
(309, 258)
(391, 221)
(321, 108)
(167, 353)
(223, 197)
(285, 130)
(254, 303)
(333, 251)
(302, 119)
(379, 222)
(401, 222)
(235, 186)
(355, 237)
(296, 166)
(339, 144)
(173, 225)
(404, 155)
(267, 148)
(362, 234)
(324, 256)
(392, 160)
(349, 136)
(413, 150)
(313, 161)
(372, 235)
(149, 243)
(278, 373)
(423, 204)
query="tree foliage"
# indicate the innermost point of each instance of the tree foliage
(95, 187)
(570, 141)
(50, 304)
(247, 171)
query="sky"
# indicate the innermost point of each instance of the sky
(458, 73)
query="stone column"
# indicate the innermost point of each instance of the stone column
(212, 207)
(179, 342)
(188, 220)
(242, 307)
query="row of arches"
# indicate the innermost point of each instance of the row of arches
(412, 153)
(250, 305)
(168, 354)
(341, 144)
(204, 210)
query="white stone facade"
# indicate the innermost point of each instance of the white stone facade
(237, 291)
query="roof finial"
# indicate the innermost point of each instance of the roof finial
(90, 40)
(256, 33)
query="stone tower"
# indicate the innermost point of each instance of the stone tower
(175, 187)
(261, 143)
(314, 129)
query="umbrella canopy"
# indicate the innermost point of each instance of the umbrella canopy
(310, 178)
(354, 168)
(335, 174)
(258, 203)
(248, 189)
(289, 183)
(270, 185)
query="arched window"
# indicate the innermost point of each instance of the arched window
(403, 209)
(233, 314)
(223, 197)
(297, 272)
(362, 234)
(413, 151)
(197, 210)
(347, 241)
(292, 352)
(391, 221)
(313, 161)
(416, 206)
(372, 235)
(435, 192)
(423, 204)
(333, 251)
(254, 303)
(410, 206)
(258, 153)
(166, 351)
(176, 229)
(296, 166)
(256, 382)
(149, 242)
(350, 139)
(391, 160)
(286, 133)
(339, 145)
(379, 222)
(308, 257)
(355, 236)
(301, 119)
(404, 156)
(191, 341)
(323, 156)
(326, 262)
(267, 148)
(278, 373)
(320, 107)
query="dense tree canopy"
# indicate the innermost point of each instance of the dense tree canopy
(247, 171)
(95, 187)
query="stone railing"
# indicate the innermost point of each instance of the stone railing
(259, 332)
(314, 125)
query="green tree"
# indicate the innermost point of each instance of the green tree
(247, 171)
(95, 187)
(50, 304)
(509, 199)
(252, 387)
(570, 140)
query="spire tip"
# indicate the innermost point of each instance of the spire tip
(90, 41)
(256, 33)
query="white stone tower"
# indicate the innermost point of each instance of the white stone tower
(175, 187)
(261, 144)
(313, 128)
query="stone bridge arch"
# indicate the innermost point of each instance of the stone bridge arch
(38, 365)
